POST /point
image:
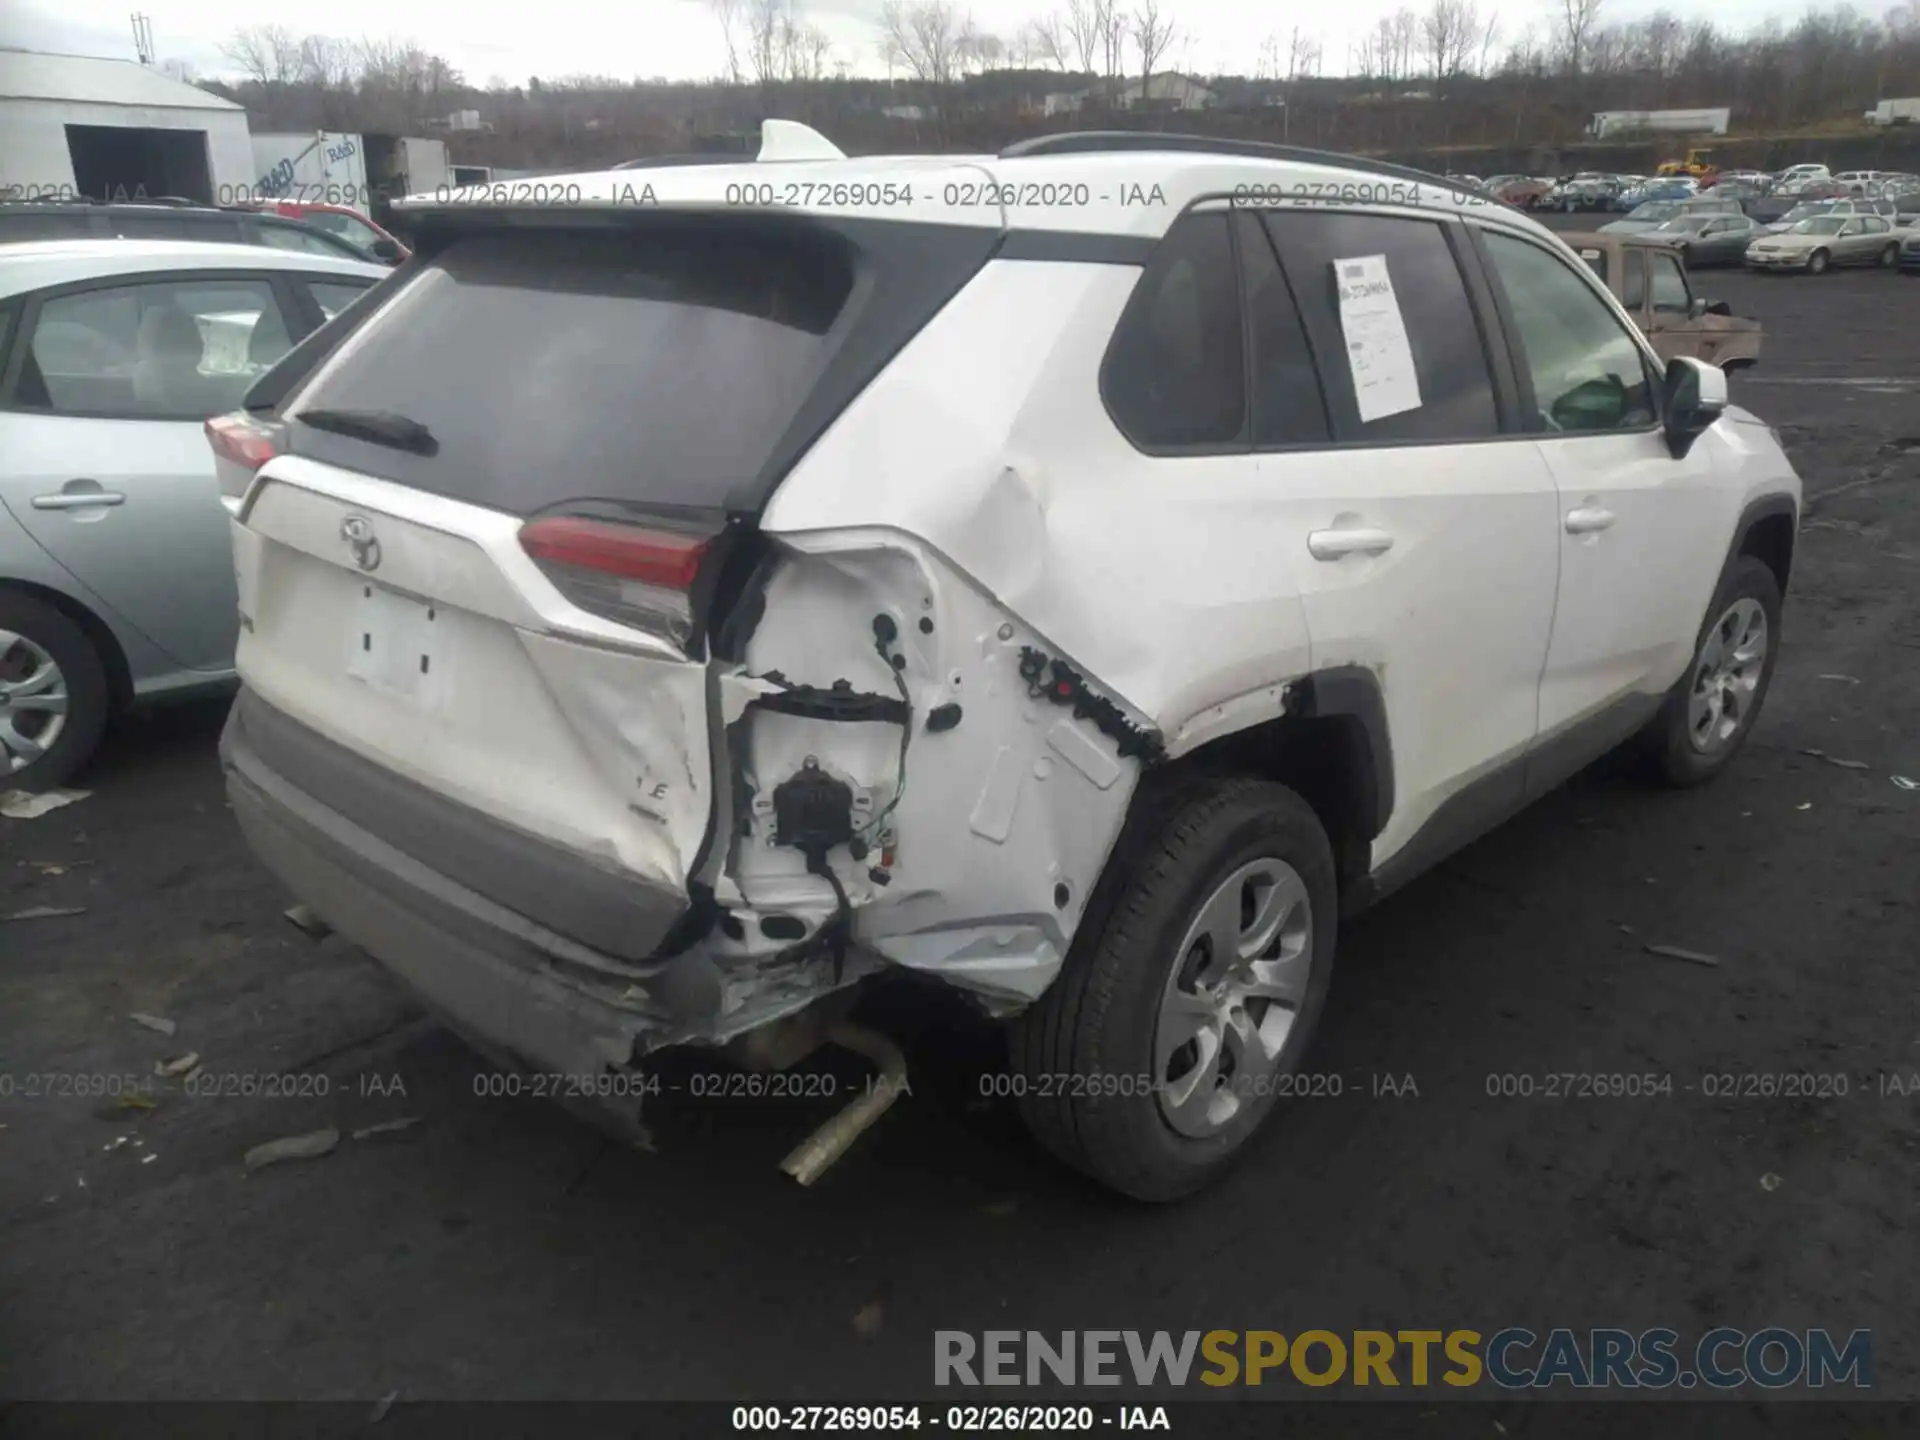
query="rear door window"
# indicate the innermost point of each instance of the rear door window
(1288, 408)
(1670, 293)
(1420, 364)
(1633, 280)
(658, 366)
(160, 350)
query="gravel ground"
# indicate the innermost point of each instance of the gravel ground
(499, 1250)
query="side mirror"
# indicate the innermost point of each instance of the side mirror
(1693, 396)
(385, 249)
(1717, 307)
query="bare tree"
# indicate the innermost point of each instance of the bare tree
(267, 54)
(1047, 41)
(1578, 20)
(325, 62)
(1085, 25)
(926, 36)
(1113, 46)
(727, 12)
(1303, 54)
(767, 26)
(1448, 32)
(1151, 36)
(1489, 37)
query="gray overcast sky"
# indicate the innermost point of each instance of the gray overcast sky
(680, 39)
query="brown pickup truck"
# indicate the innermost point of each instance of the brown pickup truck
(1650, 281)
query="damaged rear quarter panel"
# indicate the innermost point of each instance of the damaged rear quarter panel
(1006, 816)
(987, 477)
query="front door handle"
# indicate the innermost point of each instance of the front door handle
(1337, 544)
(1588, 519)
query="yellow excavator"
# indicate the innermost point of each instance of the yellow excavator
(1697, 164)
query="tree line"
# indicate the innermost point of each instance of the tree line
(1452, 74)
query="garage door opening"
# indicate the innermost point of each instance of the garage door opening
(116, 162)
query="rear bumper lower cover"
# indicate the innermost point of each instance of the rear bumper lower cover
(501, 978)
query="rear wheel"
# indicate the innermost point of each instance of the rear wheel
(54, 696)
(1890, 257)
(1817, 262)
(1711, 711)
(1190, 995)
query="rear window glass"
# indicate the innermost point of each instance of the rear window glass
(657, 366)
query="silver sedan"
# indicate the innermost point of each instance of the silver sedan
(116, 572)
(1816, 245)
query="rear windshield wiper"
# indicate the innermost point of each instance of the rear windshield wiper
(382, 427)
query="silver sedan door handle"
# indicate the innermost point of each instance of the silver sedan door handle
(79, 500)
(1588, 519)
(1337, 544)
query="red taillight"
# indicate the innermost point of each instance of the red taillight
(636, 575)
(653, 557)
(243, 440)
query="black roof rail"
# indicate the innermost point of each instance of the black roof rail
(1091, 142)
(663, 162)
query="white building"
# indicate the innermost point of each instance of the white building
(112, 129)
(1163, 92)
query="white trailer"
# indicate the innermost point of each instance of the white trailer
(1895, 112)
(321, 167)
(1608, 123)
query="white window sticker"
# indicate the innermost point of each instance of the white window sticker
(1378, 355)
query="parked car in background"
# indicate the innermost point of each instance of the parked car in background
(345, 222)
(1650, 282)
(1656, 213)
(1523, 192)
(1817, 245)
(1809, 209)
(1589, 191)
(116, 568)
(82, 220)
(1910, 252)
(1795, 179)
(1860, 182)
(1706, 239)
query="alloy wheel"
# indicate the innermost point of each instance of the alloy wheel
(1232, 996)
(33, 701)
(1726, 676)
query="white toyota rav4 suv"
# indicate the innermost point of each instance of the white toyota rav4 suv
(1077, 576)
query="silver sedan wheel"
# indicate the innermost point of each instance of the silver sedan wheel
(33, 701)
(1726, 676)
(1231, 998)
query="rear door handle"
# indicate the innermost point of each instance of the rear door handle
(1588, 519)
(1337, 544)
(80, 500)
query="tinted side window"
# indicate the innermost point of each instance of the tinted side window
(302, 241)
(175, 227)
(1175, 373)
(1633, 279)
(333, 296)
(1288, 408)
(1587, 373)
(170, 350)
(1670, 293)
(27, 224)
(1422, 316)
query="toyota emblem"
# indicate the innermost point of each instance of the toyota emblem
(357, 531)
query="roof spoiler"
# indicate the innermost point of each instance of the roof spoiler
(790, 140)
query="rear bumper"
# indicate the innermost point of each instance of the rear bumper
(507, 981)
(1777, 262)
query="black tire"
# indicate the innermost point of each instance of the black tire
(1817, 262)
(1672, 759)
(1890, 257)
(89, 698)
(1098, 1019)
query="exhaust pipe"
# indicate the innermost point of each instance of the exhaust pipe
(812, 1156)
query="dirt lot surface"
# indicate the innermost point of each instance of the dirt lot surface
(499, 1249)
